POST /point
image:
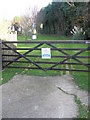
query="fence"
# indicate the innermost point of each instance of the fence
(63, 52)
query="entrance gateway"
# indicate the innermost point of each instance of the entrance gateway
(47, 55)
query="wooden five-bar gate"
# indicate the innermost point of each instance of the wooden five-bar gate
(63, 52)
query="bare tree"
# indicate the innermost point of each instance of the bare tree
(34, 14)
(26, 25)
(27, 21)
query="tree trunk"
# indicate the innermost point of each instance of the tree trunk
(49, 29)
(54, 31)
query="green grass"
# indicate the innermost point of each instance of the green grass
(7, 74)
(81, 79)
(45, 37)
(82, 110)
(0, 77)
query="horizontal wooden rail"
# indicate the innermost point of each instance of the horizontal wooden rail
(40, 49)
(41, 62)
(23, 67)
(40, 56)
(50, 41)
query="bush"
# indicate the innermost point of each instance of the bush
(82, 35)
(79, 36)
(87, 34)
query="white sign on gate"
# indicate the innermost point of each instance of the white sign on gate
(46, 53)
(34, 37)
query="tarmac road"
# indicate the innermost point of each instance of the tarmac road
(39, 97)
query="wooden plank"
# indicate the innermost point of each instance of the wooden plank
(52, 56)
(50, 41)
(48, 69)
(41, 62)
(51, 48)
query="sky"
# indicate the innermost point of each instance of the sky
(11, 8)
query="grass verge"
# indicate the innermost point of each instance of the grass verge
(8, 74)
(82, 110)
(81, 80)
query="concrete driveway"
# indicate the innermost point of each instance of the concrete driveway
(39, 97)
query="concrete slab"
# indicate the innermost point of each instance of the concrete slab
(68, 85)
(38, 97)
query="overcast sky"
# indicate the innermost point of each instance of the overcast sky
(11, 8)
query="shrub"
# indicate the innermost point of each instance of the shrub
(79, 36)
